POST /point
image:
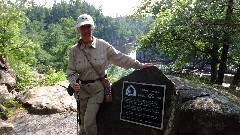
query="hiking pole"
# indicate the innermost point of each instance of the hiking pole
(78, 109)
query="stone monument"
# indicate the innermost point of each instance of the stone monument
(144, 103)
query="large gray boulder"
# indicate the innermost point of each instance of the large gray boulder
(108, 117)
(206, 112)
(48, 99)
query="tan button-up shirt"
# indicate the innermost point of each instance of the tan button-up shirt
(101, 54)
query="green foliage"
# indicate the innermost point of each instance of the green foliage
(16, 47)
(6, 113)
(192, 30)
(36, 39)
(26, 77)
(115, 73)
(10, 105)
(170, 68)
(53, 28)
(198, 79)
(11, 22)
(54, 76)
(23, 54)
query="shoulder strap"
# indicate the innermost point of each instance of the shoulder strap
(85, 54)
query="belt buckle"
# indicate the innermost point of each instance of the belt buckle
(87, 81)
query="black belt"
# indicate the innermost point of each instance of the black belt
(87, 81)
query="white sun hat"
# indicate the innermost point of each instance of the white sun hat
(84, 19)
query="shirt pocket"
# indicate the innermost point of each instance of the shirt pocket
(99, 61)
(80, 64)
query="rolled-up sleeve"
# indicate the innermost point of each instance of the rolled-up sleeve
(122, 60)
(71, 68)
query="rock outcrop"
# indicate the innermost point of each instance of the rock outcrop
(7, 80)
(206, 112)
(48, 99)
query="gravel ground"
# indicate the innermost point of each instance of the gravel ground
(53, 124)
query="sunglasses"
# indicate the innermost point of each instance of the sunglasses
(86, 26)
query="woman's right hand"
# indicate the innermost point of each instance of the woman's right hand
(76, 86)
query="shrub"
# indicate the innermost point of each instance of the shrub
(54, 76)
(26, 77)
(10, 105)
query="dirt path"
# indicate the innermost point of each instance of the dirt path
(53, 124)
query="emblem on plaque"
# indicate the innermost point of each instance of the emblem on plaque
(131, 91)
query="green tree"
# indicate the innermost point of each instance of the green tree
(193, 31)
(14, 45)
(53, 28)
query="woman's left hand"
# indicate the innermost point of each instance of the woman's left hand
(147, 65)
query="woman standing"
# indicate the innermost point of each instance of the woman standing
(101, 54)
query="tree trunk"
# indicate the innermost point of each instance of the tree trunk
(214, 59)
(223, 61)
(226, 44)
(213, 71)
